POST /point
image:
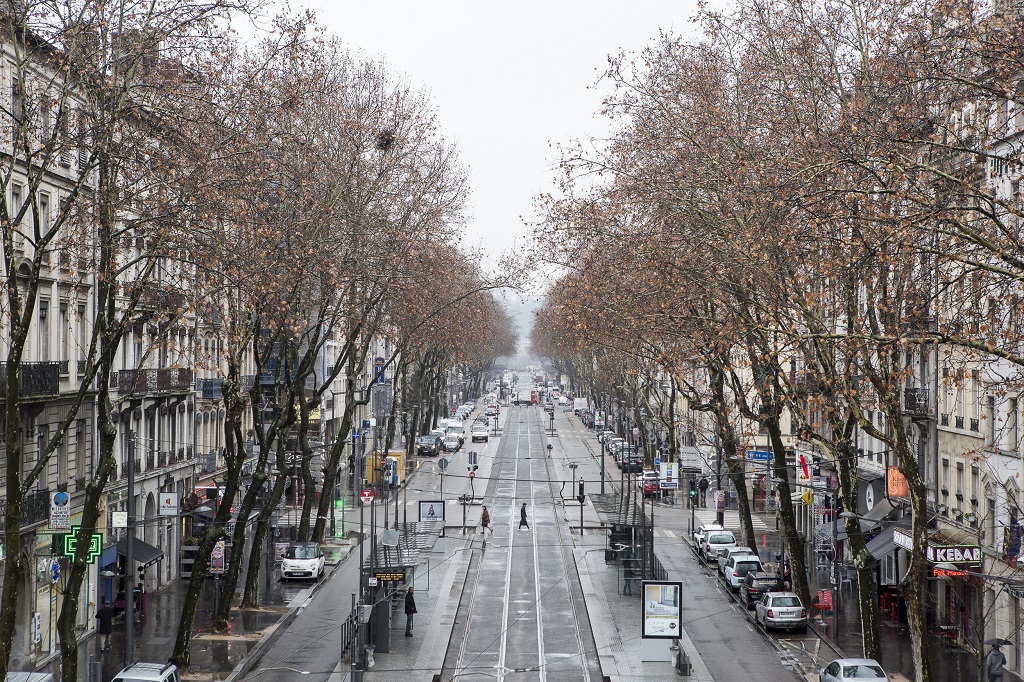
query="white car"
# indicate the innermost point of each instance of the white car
(716, 541)
(843, 669)
(303, 560)
(479, 432)
(737, 567)
(781, 610)
(143, 672)
(701, 533)
(726, 554)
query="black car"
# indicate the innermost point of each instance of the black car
(428, 446)
(755, 584)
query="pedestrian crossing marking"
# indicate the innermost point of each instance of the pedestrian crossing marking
(668, 533)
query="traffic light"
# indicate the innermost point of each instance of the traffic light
(693, 487)
(581, 496)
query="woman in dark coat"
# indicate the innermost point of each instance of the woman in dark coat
(410, 609)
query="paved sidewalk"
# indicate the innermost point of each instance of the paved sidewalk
(213, 655)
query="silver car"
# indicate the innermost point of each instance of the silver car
(782, 610)
(844, 669)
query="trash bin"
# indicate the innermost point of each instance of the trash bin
(369, 655)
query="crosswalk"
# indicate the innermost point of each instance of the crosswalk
(732, 519)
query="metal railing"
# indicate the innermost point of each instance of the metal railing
(915, 400)
(210, 389)
(171, 379)
(37, 378)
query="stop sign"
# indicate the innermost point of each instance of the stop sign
(472, 474)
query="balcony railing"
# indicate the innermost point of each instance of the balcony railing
(82, 364)
(64, 367)
(915, 400)
(210, 389)
(944, 420)
(35, 507)
(975, 425)
(150, 461)
(162, 460)
(37, 378)
(959, 422)
(168, 380)
(805, 383)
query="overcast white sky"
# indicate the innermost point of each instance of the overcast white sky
(508, 80)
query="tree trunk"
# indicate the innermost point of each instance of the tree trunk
(251, 593)
(793, 542)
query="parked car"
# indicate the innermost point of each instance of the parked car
(632, 460)
(737, 567)
(781, 610)
(755, 584)
(479, 432)
(303, 560)
(843, 669)
(451, 443)
(726, 554)
(701, 533)
(490, 411)
(601, 435)
(650, 483)
(148, 672)
(428, 446)
(718, 540)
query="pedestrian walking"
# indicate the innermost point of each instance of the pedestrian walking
(703, 485)
(410, 611)
(522, 518)
(485, 520)
(994, 664)
(105, 616)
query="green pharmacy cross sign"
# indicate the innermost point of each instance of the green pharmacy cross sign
(71, 544)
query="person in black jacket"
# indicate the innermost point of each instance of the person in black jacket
(410, 609)
(522, 518)
(105, 616)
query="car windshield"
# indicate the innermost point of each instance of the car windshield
(786, 601)
(427, 440)
(863, 671)
(721, 539)
(301, 552)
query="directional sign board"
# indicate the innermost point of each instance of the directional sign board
(366, 496)
(759, 455)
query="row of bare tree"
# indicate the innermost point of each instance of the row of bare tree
(797, 212)
(282, 194)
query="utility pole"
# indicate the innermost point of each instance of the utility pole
(129, 569)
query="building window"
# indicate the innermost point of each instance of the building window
(960, 487)
(62, 336)
(990, 514)
(1011, 426)
(43, 332)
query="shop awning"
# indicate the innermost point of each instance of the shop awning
(882, 544)
(882, 510)
(108, 556)
(143, 553)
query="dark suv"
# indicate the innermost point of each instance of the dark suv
(755, 584)
(429, 446)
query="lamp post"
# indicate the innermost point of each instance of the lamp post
(129, 558)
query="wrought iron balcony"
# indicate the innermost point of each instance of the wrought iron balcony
(915, 401)
(805, 384)
(35, 507)
(210, 389)
(37, 378)
(144, 381)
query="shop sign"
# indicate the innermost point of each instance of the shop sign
(901, 539)
(60, 510)
(953, 554)
(168, 504)
(896, 482)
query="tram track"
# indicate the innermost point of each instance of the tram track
(543, 629)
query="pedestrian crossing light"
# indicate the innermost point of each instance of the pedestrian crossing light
(693, 487)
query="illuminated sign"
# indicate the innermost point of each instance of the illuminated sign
(953, 554)
(71, 544)
(948, 573)
(662, 609)
(390, 576)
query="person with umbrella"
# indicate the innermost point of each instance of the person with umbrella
(995, 662)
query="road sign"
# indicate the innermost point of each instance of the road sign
(759, 455)
(442, 463)
(472, 474)
(366, 496)
(657, 461)
(55, 571)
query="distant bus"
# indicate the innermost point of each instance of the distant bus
(533, 397)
